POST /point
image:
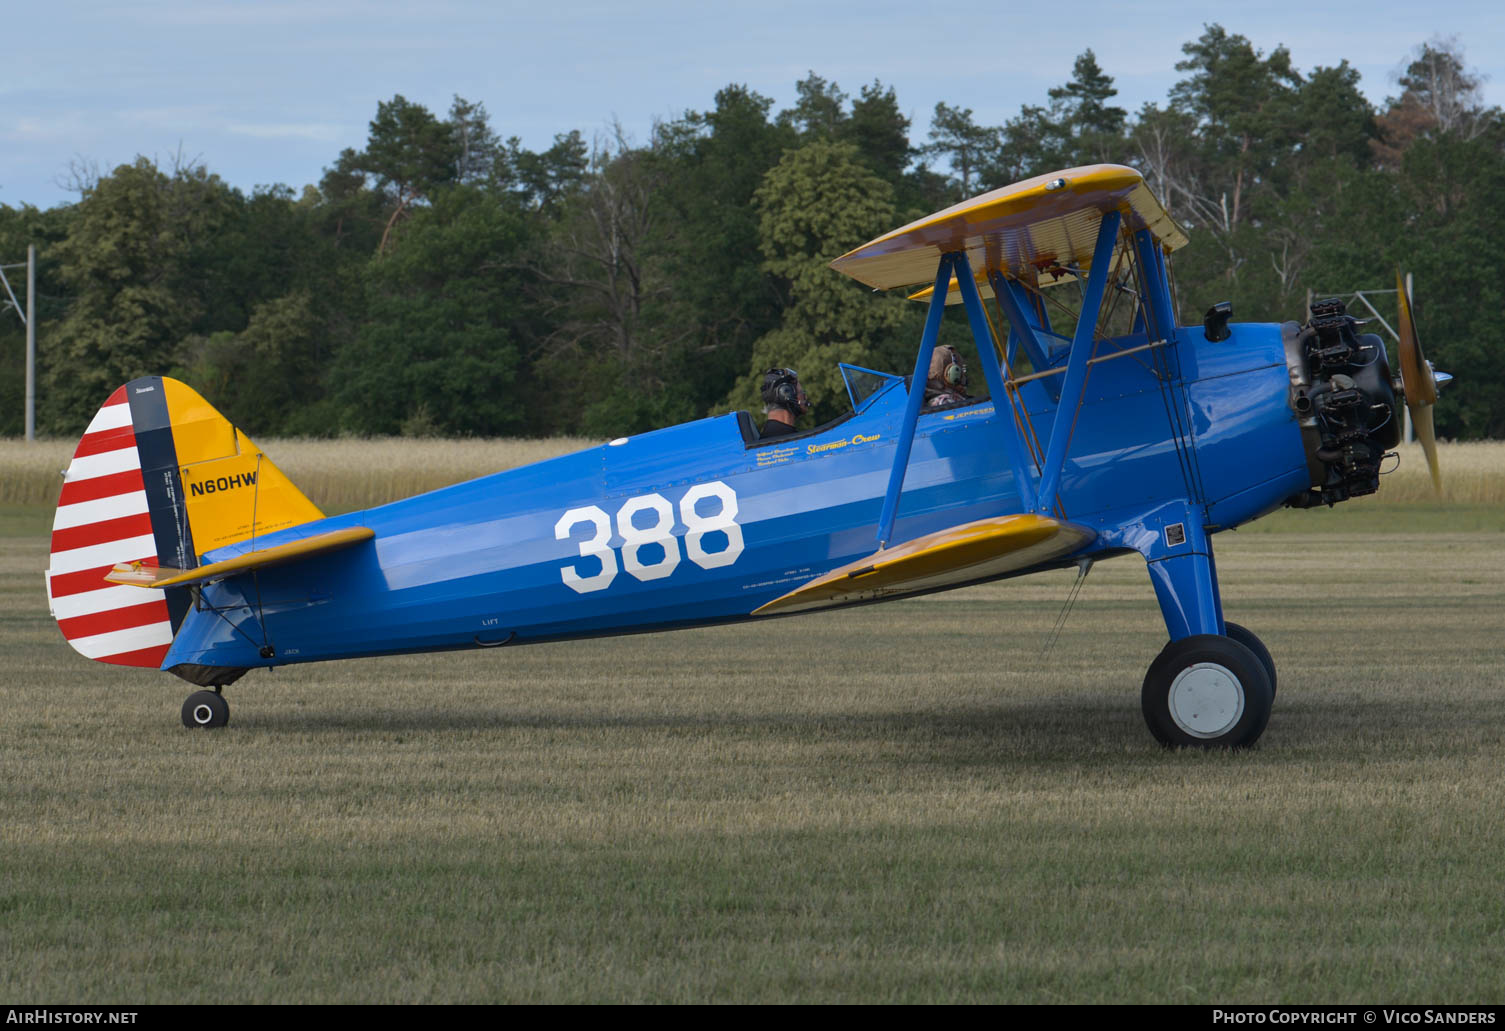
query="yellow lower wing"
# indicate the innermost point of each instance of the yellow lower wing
(957, 554)
(138, 575)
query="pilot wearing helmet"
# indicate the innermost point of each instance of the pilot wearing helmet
(784, 401)
(948, 378)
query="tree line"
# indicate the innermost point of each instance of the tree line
(445, 280)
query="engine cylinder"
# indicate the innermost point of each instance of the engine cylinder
(1344, 398)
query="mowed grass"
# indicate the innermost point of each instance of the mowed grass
(899, 803)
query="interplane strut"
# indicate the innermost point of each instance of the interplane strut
(1035, 495)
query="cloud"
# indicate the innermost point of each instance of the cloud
(275, 14)
(171, 117)
(286, 130)
(62, 125)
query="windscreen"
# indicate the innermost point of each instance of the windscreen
(865, 384)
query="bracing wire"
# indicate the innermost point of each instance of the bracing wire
(1011, 388)
(220, 613)
(266, 644)
(255, 497)
(1163, 378)
(1083, 566)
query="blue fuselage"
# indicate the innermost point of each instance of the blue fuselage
(691, 525)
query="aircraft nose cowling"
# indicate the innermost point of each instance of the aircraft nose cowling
(1344, 399)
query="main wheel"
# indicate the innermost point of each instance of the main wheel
(1246, 638)
(206, 709)
(1206, 691)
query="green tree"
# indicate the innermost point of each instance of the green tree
(479, 155)
(409, 153)
(268, 377)
(544, 181)
(1243, 103)
(1077, 127)
(278, 297)
(816, 204)
(1333, 120)
(439, 351)
(966, 146)
(880, 131)
(131, 262)
(820, 112)
(1449, 198)
(705, 246)
(349, 212)
(1163, 140)
(1029, 144)
(20, 227)
(1092, 129)
(605, 295)
(872, 122)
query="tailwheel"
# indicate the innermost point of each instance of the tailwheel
(1246, 638)
(206, 709)
(1207, 691)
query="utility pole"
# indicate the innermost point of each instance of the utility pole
(28, 319)
(31, 341)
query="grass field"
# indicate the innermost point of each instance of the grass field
(905, 802)
(341, 475)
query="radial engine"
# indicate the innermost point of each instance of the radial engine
(1345, 402)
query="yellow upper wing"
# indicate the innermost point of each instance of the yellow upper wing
(1022, 230)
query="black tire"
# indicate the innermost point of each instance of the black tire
(1246, 638)
(1206, 691)
(206, 709)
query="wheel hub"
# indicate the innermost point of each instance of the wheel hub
(1206, 699)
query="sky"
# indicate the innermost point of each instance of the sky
(270, 91)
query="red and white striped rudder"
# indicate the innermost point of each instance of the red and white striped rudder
(103, 518)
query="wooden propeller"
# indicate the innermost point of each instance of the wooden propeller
(1418, 381)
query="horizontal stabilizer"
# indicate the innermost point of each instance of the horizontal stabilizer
(958, 554)
(139, 574)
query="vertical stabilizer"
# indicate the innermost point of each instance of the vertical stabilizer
(159, 478)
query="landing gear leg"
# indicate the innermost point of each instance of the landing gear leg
(1213, 685)
(206, 709)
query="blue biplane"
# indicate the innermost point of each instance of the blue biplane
(178, 545)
